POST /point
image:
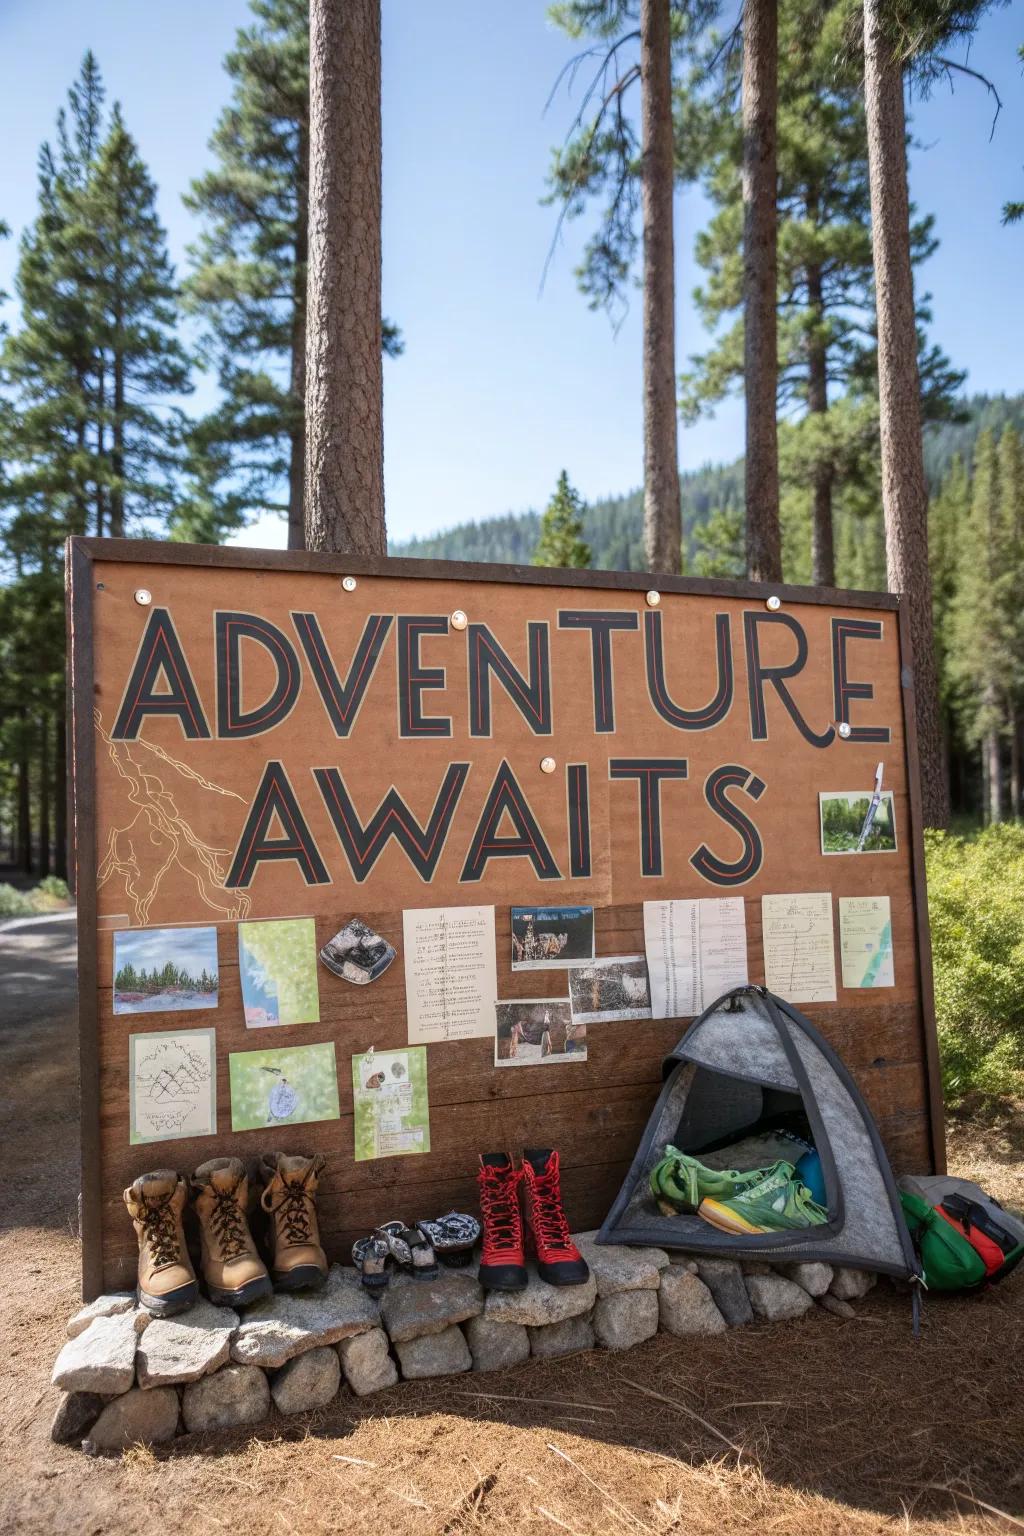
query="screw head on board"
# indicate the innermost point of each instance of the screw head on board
(348, 583)
(548, 765)
(774, 602)
(459, 620)
(844, 729)
(143, 597)
(652, 599)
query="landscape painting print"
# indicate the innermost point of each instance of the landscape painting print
(159, 970)
(853, 822)
(277, 966)
(287, 1086)
(172, 1085)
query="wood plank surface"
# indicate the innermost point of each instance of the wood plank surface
(147, 804)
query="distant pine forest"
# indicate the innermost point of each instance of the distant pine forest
(712, 500)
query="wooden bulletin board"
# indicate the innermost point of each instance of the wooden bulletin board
(197, 716)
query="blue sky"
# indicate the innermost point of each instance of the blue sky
(191, 949)
(503, 385)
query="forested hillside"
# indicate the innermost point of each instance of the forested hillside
(712, 512)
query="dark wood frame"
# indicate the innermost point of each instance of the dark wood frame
(82, 552)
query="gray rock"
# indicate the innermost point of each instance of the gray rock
(724, 1279)
(135, 1418)
(274, 1330)
(434, 1354)
(625, 1319)
(565, 1338)
(367, 1363)
(237, 1394)
(618, 1269)
(100, 1359)
(76, 1413)
(111, 1305)
(183, 1348)
(852, 1284)
(412, 1308)
(309, 1381)
(814, 1278)
(686, 1306)
(495, 1346)
(540, 1304)
(835, 1305)
(775, 1298)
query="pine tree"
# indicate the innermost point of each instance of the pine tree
(825, 274)
(1011, 519)
(91, 439)
(248, 282)
(561, 541)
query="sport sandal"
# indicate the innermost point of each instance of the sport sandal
(452, 1237)
(372, 1257)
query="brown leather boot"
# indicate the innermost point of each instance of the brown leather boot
(235, 1274)
(297, 1261)
(167, 1281)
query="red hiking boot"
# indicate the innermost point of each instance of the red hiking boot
(559, 1261)
(502, 1262)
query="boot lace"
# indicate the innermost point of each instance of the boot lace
(293, 1211)
(161, 1233)
(548, 1218)
(499, 1205)
(228, 1224)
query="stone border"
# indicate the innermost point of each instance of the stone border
(127, 1377)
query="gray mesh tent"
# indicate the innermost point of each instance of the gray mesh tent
(752, 1062)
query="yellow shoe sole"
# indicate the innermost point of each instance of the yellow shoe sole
(728, 1220)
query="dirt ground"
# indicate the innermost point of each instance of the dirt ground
(818, 1426)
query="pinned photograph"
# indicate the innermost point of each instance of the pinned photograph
(538, 1032)
(357, 954)
(277, 967)
(858, 821)
(287, 1086)
(606, 990)
(159, 970)
(172, 1085)
(551, 938)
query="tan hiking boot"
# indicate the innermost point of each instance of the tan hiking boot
(167, 1281)
(297, 1261)
(235, 1274)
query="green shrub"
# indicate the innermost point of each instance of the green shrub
(50, 893)
(14, 903)
(976, 908)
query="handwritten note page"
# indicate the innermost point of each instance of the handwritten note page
(799, 951)
(696, 950)
(865, 941)
(451, 982)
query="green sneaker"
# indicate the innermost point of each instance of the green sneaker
(780, 1203)
(682, 1182)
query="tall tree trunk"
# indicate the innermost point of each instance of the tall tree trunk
(344, 363)
(101, 448)
(663, 522)
(904, 492)
(823, 557)
(760, 296)
(60, 797)
(297, 379)
(25, 862)
(44, 794)
(1014, 763)
(117, 445)
(993, 776)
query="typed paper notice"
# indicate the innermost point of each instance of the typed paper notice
(696, 951)
(799, 949)
(451, 983)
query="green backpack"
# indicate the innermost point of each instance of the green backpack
(962, 1236)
